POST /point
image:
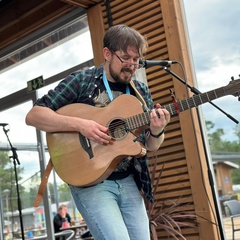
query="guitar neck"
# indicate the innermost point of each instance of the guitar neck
(179, 106)
(194, 101)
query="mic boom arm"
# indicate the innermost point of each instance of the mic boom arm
(196, 91)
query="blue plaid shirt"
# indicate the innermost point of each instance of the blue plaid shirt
(79, 87)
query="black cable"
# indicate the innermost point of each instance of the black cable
(109, 13)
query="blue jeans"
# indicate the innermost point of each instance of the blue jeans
(113, 210)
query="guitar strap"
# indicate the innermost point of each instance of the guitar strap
(43, 184)
(139, 96)
(49, 167)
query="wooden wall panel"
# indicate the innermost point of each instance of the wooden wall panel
(189, 122)
(182, 154)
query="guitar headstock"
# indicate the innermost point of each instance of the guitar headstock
(233, 88)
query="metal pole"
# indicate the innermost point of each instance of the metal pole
(7, 212)
(6, 193)
(1, 220)
(55, 189)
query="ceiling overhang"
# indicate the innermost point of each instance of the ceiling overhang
(19, 18)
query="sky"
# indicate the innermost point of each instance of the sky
(213, 29)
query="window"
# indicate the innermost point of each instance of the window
(54, 53)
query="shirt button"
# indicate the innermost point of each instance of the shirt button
(90, 96)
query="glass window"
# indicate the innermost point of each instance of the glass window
(49, 61)
(57, 57)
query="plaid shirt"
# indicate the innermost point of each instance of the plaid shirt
(79, 87)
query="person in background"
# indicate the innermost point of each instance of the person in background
(61, 218)
(113, 209)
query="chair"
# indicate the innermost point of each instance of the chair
(86, 235)
(67, 233)
(234, 210)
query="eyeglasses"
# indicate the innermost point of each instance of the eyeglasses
(128, 64)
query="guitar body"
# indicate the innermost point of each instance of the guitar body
(81, 162)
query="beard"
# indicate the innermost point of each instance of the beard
(117, 77)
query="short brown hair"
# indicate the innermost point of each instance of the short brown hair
(62, 206)
(119, 37)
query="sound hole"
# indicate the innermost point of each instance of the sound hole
(117, 129)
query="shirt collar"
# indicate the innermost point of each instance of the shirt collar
(99, 72)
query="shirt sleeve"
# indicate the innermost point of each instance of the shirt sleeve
(57, 222)
(67, 91)
(75, 88)
(68, 218)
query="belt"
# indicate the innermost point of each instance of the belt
(120, 175)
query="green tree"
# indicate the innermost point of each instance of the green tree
(236, 176)
(218, 145)
(31, 193)
(8, 181)
(64, 193)
(237, 132)
(214, 137)
(209, 125)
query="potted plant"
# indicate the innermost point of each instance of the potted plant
(170, 215)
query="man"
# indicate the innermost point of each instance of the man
(61, 217)
(113, 209)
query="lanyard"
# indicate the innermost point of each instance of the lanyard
(106, 84)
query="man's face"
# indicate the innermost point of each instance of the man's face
(63, 211)
(121, 65)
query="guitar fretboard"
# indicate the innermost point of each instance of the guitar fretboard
(194, 101)
(143, 119)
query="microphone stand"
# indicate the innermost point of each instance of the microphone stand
(15, 160)
(196, 91)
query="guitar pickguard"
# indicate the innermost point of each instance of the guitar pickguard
(86, 145)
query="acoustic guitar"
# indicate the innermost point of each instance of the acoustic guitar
(81, 162)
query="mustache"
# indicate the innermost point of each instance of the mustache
(126, 69)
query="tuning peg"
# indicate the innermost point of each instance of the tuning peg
(232, 78)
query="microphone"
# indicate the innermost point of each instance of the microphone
(3, 124)
(152, 63)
